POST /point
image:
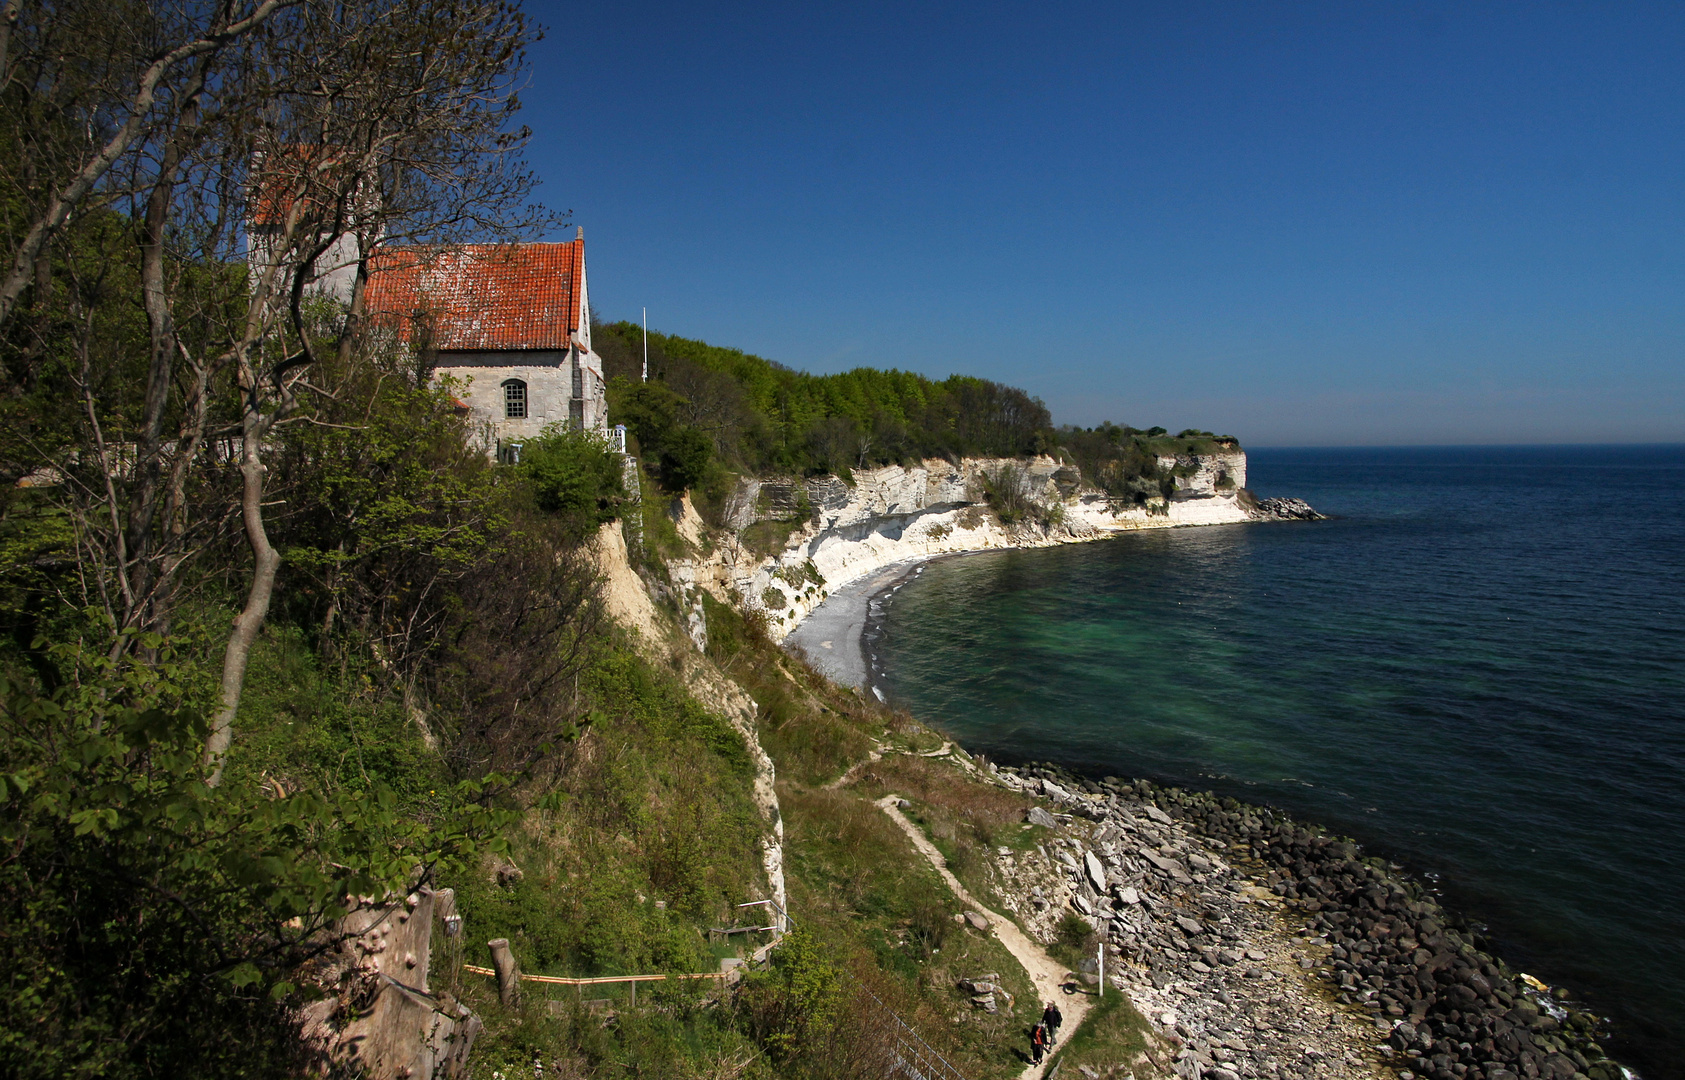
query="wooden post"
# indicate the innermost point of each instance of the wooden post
(508, 972)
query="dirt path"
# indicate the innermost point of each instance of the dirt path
(854, 770)
(1047, 973)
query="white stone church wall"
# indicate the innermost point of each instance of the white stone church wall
(549, 379)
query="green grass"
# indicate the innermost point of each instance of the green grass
(303, 724)
(812, 729)
(965, 819)
(655, 805)
(675, 1032)
(769, 537)
(858, 883)
(1112, 1041)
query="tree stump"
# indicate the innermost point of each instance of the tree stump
(508, 972)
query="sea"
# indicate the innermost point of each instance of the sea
(1475, 667)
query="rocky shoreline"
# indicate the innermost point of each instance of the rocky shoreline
(1263, 947)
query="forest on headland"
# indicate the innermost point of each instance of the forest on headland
(277, 637)
(708, 411)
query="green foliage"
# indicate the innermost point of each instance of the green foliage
(681, 454)
(764, 418)
(654, 802)
(1122, 462)
(1113, 1040)
(575, 476)
(1072, 932)
(812, 728)
(384, 501)
(794, 1004)
(681, 1037)
(860, 887)
(142, 910)
(684, 458)
(660, 519)
(768, 537)
(308, 726)
(1074, 940)
(1004, 492)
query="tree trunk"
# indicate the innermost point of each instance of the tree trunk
(151, 604)
(265, 562)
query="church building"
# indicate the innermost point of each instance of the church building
(509, 323)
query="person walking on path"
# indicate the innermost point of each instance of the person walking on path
(1052, 1019)
(1038, 1042)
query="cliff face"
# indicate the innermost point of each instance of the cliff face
(840, 532)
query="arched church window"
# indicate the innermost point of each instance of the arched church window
(514, 399)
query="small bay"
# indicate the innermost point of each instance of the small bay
(1477, 668)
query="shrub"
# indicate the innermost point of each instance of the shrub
(684, 459)
(931, 922)
(145, 913)
(652, 412)
(575, 476)
(795, 1004)
(1072, 932)
(1004, 492)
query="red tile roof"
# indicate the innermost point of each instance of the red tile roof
(297, 173)
(481, 296)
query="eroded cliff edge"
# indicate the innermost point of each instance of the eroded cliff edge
(838, 531)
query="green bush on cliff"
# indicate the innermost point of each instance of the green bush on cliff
(147, 917)
(575, 476)
(793, 1005)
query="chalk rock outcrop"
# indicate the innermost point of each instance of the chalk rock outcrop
(840, 531)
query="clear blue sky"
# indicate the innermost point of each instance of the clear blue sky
(1339, 223)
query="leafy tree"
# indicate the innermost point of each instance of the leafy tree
(652, 413)
(575, 476)
(684, 459)
(763, 417)
(151, 150)
(149, 923)
(796, 1003)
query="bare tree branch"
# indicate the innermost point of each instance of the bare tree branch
(65, 200)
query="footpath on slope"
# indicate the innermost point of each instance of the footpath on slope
(1046, 973)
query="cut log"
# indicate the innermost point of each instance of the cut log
(508, 972)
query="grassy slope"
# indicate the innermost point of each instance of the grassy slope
(656, 807)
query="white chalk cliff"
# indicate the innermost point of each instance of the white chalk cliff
(895, 513)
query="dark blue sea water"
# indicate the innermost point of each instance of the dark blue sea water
(1477, 668)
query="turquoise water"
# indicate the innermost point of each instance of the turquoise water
(1477, 668)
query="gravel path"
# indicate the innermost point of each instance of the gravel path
(1046, 973)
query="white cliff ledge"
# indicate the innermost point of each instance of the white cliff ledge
(843, 532)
